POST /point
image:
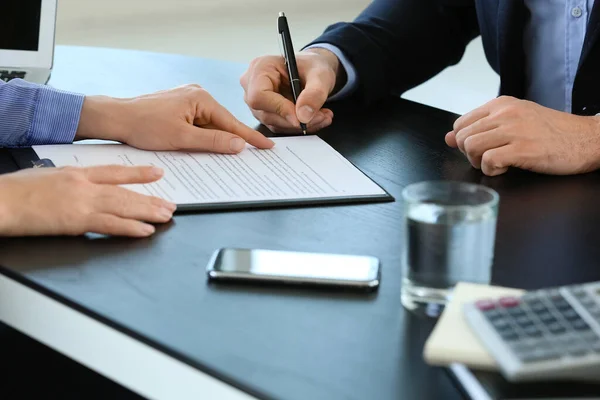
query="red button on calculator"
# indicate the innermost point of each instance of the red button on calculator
(485, 305)
(509, 302)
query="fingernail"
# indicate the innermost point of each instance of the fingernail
(148, 229)
(170, 206)
(292, 120)
(305, 114)
(157, 171)
(236, 145)
(165, 214)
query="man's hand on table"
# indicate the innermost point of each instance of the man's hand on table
(185, 118)
(268, 93)
(73, 201)
(508, 132)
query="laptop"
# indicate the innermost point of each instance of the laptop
(27, 29)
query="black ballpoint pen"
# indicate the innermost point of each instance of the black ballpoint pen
(290, 59)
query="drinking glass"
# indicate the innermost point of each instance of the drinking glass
(449, 236)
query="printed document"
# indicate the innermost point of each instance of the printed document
(296, 168)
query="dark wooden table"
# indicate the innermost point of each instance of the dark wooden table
(282, 342)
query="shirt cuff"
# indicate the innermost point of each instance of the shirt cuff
(352, 78)
(56, 117)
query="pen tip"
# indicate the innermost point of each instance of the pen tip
(304, 131)
(282, 14)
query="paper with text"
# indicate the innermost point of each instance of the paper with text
(296, 168)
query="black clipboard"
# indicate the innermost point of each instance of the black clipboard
(26, 157)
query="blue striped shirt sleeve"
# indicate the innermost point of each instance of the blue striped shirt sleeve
(33, 114)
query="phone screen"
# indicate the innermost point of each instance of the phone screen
(312, 266)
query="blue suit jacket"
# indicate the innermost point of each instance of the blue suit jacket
(398, 44)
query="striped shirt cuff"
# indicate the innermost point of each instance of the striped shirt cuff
(56, 117)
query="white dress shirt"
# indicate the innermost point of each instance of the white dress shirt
(553, 41)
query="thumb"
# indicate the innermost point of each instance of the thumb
(319, 84)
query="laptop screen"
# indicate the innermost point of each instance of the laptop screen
(20, 24)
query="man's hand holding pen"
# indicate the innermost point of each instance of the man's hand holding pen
(268, 89)
(268, 93)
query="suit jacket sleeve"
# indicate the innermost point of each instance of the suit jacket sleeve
(396, 45)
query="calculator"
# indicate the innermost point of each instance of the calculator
(548, 334)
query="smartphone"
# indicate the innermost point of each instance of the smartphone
(295, 268)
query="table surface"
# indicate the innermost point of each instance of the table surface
(290, 343)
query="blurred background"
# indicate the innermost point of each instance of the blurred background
(240, 30)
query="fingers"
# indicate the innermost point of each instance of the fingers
(319, 83)
(121, 212)
(482, 125)
(451, 139)
(476, 145)
(265, 81)
(108, 224)
(296, 131)
(210, 140)
(497, 161)
(121, 175)
(224, 120)
(276, 124)
(486, 136)
(491, 107)
(262, 94)
(124, 203)
(471, 117)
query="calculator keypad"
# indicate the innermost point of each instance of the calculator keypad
(587, 301)
(543, 325)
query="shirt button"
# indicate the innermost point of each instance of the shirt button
(576, 12)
